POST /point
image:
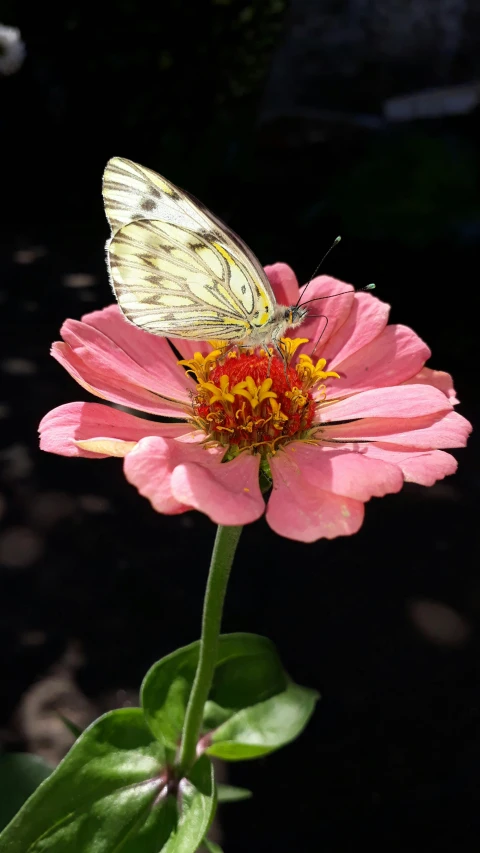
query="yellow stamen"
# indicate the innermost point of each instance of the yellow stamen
(309, 374)
(278, 417)
(267, 353)
(255, 394)
(321, 393)
(200, 365)
(221, 345)
(297, 397)
(219, 394)
(289, 346)
(216, 417)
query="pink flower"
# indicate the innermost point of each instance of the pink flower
(327, 440)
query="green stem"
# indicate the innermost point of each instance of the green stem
(226, 542)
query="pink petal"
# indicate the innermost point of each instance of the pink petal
(111, 385)
(284, 283)
(443, 429)
(365, 322)
(63, 427)
(423, 468)
(149, 468)
(336, 310)
(298, 510)
(176, 477)
(396, 355)
(108, 343)
(228, 493)
(401, 401)
(345, 471)
(437, 378)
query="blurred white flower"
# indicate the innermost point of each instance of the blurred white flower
(12, 50)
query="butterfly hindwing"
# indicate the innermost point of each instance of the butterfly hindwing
(175, 268)
(163, 284)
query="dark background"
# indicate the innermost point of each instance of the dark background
(274, 116)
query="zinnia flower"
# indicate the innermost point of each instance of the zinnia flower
(321, 433)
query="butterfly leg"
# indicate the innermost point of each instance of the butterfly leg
(283, 358)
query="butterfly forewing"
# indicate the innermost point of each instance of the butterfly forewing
(175, 268)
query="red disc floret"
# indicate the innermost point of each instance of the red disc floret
(260, 402)
(256, 366)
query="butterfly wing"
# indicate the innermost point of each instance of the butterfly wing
(174, 267)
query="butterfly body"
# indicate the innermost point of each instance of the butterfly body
(274, 329)
(176, 270)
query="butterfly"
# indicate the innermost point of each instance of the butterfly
(177, 270)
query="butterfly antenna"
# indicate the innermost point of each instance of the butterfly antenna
(341, 293)
(321, 333)
(335, 242)
(367, 287)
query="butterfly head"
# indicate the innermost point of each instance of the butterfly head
(284, 318)
(295, 315)
(288, 318)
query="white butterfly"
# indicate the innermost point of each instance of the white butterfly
(176, 270)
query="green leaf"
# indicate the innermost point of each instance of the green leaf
(231, 794)
(109, 795)
(20, 774)
(253, 706)
(198, 800)
(260, 729)
(75, 730)
(212, 846)
(248, 670)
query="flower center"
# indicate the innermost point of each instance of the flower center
(253, 399)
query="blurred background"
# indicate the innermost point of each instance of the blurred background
(293, 122)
